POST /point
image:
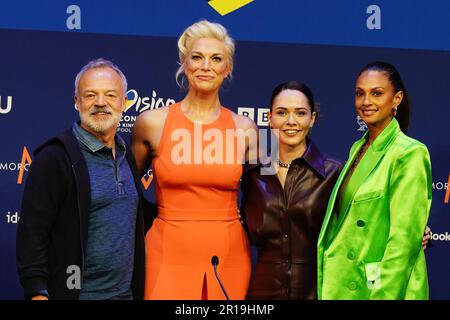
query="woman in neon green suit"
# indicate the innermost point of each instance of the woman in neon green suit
(370, 243)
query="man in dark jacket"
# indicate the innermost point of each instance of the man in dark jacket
(81, 232)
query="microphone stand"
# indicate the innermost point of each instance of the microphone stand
(215, 262)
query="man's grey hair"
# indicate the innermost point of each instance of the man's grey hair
(100, 63)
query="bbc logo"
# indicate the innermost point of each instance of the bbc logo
(262, 115)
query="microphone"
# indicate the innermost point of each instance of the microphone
(215, 262)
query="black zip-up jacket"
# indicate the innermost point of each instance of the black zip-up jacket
(52, 231)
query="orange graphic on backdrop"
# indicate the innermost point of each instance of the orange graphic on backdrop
(447, 194)
(146, 182)
(25, 159)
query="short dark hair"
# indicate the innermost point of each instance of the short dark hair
(294, 85)
(404, 108)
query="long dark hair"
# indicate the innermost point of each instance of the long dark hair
(294, 85)
(404, 108)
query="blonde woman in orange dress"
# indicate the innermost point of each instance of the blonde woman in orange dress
(197, 167)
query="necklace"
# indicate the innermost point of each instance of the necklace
(283, 164)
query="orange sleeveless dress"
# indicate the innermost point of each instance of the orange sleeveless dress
(197, 213)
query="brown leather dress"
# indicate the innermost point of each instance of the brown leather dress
(284, 225)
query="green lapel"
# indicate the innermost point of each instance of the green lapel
(375, 153)
(326, 222)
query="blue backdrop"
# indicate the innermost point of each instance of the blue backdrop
(322, 43)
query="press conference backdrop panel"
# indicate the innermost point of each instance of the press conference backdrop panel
(324, 43)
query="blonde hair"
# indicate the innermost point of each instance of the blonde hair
(203, 29)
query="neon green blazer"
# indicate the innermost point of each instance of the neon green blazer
(372, 248)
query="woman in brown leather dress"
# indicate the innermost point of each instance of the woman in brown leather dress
(285, 210)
